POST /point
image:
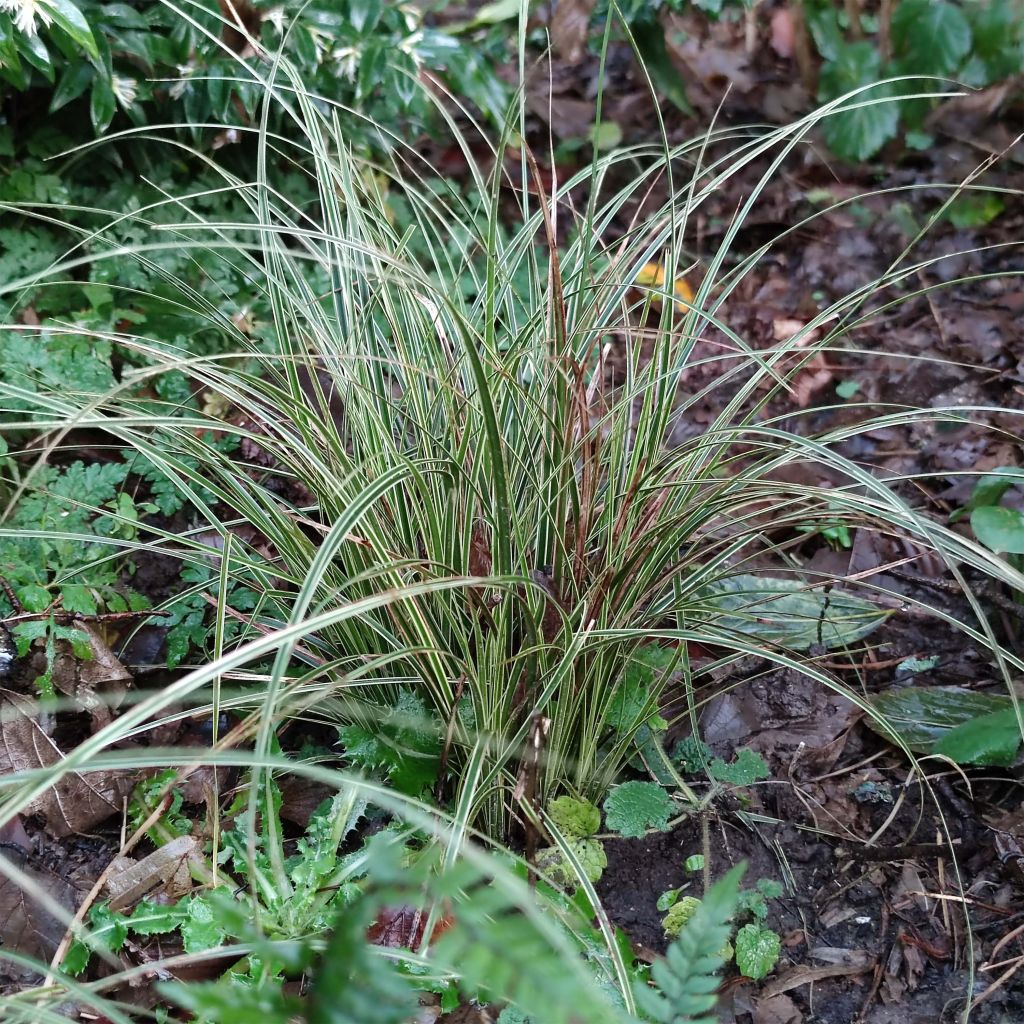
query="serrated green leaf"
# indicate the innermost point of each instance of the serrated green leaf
(747, 768)
(578, 818)
(757, 950)
(631, 808)
(201, 928)
(588, 852)
(76, 959)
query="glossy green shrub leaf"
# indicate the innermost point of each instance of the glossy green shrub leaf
(992, 739)
(632, 808)
(72, 84)
(921, 716)
(102, 104)
(788, 613)
(999, 528)
(859, 133)
(34, 50)
(757, 950)
(933, 35)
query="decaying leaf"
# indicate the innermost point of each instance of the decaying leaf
(570, 26)
(166, 869)
(25, 926)
(98, 684)
(76, 802)
(788, 613)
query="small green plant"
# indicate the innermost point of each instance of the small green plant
(998, 527)
(578, 821)
(835, 531)
(684, 982)
(755, 947)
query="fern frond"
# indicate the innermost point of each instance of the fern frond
(685, 980)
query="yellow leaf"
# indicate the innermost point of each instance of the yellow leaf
(652, 275)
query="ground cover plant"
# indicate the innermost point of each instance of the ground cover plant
(463, 557)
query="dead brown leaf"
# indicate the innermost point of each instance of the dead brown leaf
(570, 25)
(783, 32)
(97, 684)
(778, 1009)
(25, 926)
(77, 801)
(165, 870)
(805, 975)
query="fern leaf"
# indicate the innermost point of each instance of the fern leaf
(685, 980)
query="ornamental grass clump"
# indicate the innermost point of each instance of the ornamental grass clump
(440, 502)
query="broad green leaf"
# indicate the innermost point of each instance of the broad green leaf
(496, 12)
(650, 42)
(990, 488)
(757, 950)
(589, 852)
(73, 83)
(102, 104)
(788, 613)
(606, 135)
(575, 817)
(859, 133)
(999, 528)
(70, 18)
(633, 694)
(667, 900)
(824, 27)
(974, 210)
(992, 739)
(34, 50)
(933, 34)
(631, 808)
(922, 715)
